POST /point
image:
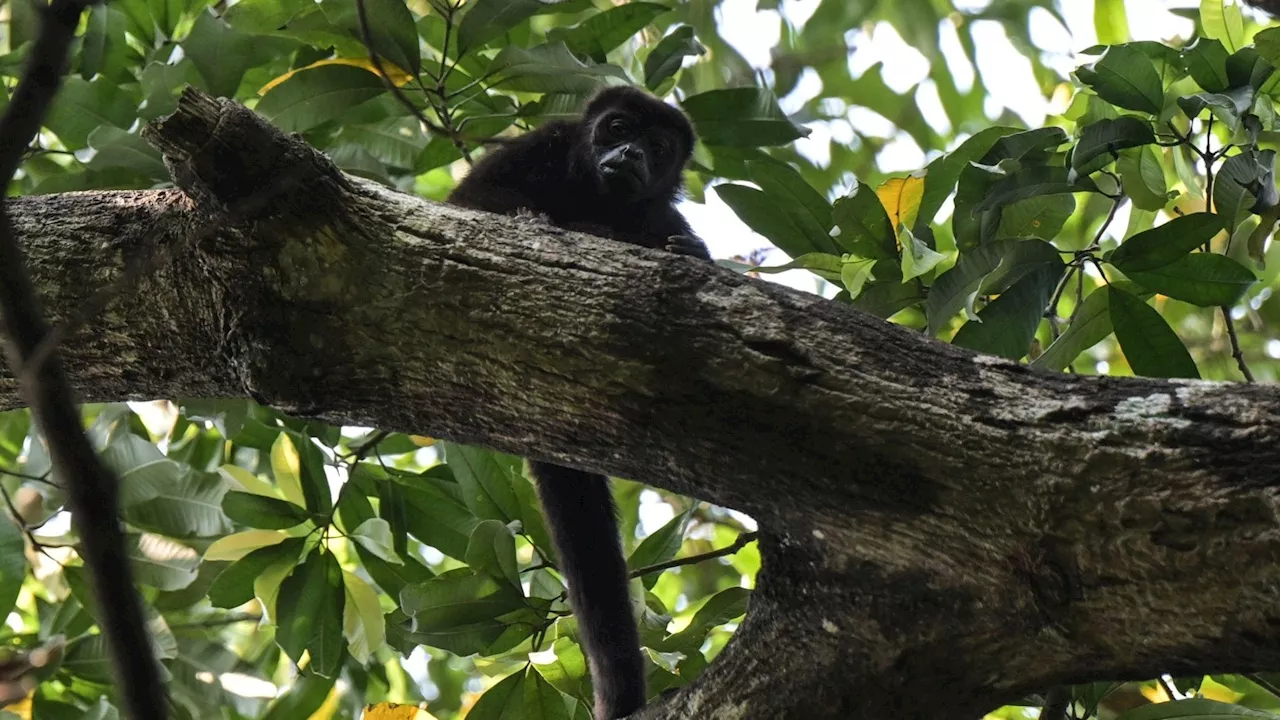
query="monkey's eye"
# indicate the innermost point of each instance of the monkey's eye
(619, 127)
(661, 147)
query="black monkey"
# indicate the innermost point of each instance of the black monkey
(616, 172)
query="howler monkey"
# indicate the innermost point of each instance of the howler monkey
(615, 172)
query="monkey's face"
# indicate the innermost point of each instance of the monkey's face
(635, 161)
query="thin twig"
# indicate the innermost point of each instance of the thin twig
(1236, 352)
(367, 37)
(91, 487)
(32, 478)
(743, 540)
(216, 622)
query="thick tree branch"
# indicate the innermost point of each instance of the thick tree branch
(938, 529)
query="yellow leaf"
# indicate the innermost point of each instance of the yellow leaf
(234, 547)
(392, 711)
(397, 75)
(247, 481)
(422, 441)
(21, 708)
(1213, 690)
(266, 587)
(901, 198)
(362, 621)
(287, 467)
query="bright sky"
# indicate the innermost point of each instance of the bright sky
(754, 33)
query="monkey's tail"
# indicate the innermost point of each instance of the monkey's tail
(583, 524)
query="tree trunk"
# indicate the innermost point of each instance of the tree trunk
(942, 532)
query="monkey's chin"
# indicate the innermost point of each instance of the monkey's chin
(622, 181)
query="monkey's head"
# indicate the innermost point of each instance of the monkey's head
(637, 145)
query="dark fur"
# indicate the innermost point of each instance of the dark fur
(556, 172)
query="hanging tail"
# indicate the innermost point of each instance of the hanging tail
(583, 524)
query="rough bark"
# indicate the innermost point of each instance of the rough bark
(942, 532)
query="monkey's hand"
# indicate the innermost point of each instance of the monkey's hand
(688, 245)
(525, 214)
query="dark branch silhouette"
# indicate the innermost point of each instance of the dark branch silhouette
(91, 488)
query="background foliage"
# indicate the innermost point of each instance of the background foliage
(1131, 234)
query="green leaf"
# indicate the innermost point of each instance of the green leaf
(807, 209)
(989, 268)
(602, 32)
(1108, 137)
(1195, 709)
(1032, 182)
(391, 28)
(164, 496)
(484, 478)
(1142, 173)
(220, 53)
(822, 264)
(1125, 77)
(259, 511)
(329, 644)
(567, 672)
(162, 563)
(550, 68)
(488, 19)
(541, 700)
(492, 550)
(309, 473)
(374, 535)
(396, 141)
(116, 148)
(746, 116)
(314, 96)
(303, 698)
(1203, 279)
(1007, 326)
(460, 611)
(457, 598)
(917, 257)
(1090, 326)
(763, 215)
(393, 577)
(83, 106)
(234, 586)
(865, 228)
(1267, 44)
(1222, 20)
(265, 16)
(103, 48)
(855, 274)
(942, 174)
(667, 57)
(1228, 106)
(1030, 148)
(1206, 62)
(717, 610)
(1167, 243)
(503, 701)
(1147, 341)
(309, 609)
(1038, 217)
(661, 546)
(13, 563)
(1110, 22)
(1247, 67)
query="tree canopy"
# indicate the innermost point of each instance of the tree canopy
(325, 514)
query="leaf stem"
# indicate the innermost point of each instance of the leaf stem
(743, 540)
